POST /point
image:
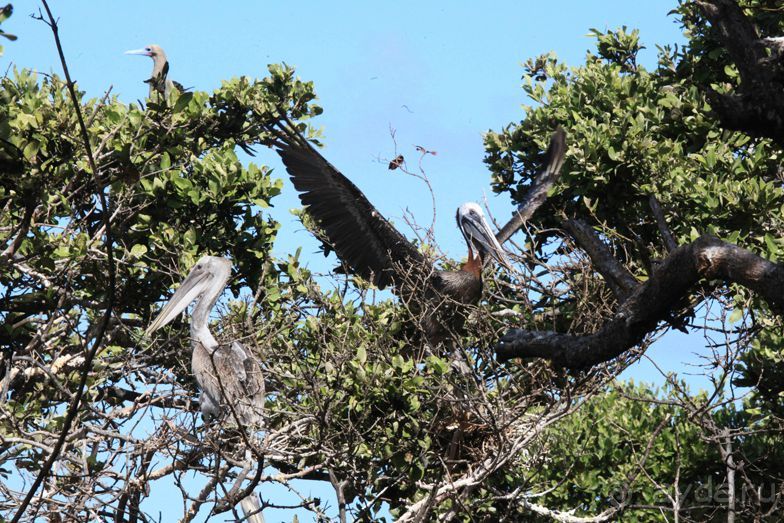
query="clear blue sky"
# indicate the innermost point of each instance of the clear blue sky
(455, 66)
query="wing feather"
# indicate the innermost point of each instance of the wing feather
(233, 375)
(362, 238)
(544, 180)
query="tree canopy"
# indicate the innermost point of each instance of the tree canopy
(667, 215)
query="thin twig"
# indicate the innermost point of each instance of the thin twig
(77, 398)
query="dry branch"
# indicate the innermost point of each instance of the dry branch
(618, 278)
(707, 258)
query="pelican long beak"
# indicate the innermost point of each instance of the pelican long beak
(190, 289)
(478, 230)
(142, 52)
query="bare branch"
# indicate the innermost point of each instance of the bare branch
(618, 278)
(706, 258)
(669, 241)
(104, 323)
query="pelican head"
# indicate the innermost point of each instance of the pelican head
(477, 233)
(205, 282)
(154, 51)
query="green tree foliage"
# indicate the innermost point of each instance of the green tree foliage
(354, 399)
(634, 134)
(650, 449)
(638, 134)
(175, 185)
(351, 395)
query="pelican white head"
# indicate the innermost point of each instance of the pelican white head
(477, 233)
(205, 282)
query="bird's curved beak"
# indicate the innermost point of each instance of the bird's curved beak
(479, 232)
(190, 289)
(142, 52)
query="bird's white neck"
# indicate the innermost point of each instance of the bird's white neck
(158, 64)
(203, 335)
(200, 320)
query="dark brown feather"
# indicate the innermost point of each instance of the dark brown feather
(371, 247)
(362, 238)
(543, 181)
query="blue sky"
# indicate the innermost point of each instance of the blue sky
(439, 73)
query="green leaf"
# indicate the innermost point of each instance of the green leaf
(736, 315)
(138, 250)
(182, 101)
(361, 354)
(773, 248)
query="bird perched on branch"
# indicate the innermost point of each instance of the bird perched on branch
(229, 376)
(159, 79)
(232, 386)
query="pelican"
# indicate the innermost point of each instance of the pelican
(241, 385)
(159, 79)
(228, 375)
(369, 246)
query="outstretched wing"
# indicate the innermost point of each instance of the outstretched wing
(362, 238)
(544, 180)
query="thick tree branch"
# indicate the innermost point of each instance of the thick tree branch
(620, 280)
(707, 258)
(738, 35)
(669, 241)
(757, 107)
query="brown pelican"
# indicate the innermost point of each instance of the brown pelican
(229, 376)
(159, 79)
(372, 248)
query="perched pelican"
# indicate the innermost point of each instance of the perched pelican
(229, 376)
(372, 248)
(159, 79)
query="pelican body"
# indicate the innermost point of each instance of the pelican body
(159, 79)
(228, 375)
(372, 248)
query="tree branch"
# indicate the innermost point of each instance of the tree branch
(652, 302)
(620, 280)
(104, 323)
(669, 241)
(757, 108)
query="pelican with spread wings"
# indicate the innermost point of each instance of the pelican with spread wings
(370, 246)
